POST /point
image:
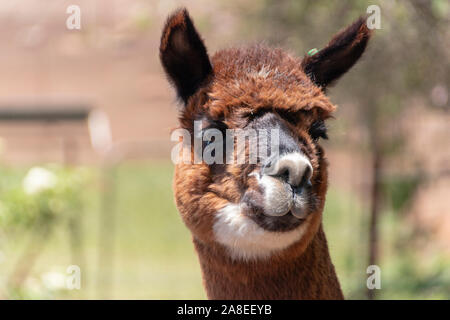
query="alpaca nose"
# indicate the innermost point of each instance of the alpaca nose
(293, 168)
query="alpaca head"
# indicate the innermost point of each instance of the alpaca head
(273, 200)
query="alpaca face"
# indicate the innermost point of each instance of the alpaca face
(273, 198)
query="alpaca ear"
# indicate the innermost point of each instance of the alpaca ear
(341, 53)
(183, 55)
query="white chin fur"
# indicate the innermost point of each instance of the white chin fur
(245, 240)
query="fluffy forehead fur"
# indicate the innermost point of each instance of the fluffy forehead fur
(249, 79)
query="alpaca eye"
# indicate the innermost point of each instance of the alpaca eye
(318, 130)
(207, 143)
(218, 131)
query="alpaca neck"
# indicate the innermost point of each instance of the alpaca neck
(310, 275)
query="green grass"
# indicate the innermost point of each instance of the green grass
(154, 256)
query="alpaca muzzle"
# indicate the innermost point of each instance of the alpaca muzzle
(285, 181)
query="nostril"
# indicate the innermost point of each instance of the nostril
(294, 169)
(285, 174)
(306, 179)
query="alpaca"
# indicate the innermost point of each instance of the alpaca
(257, 228)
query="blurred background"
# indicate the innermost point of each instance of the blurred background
(85, 170)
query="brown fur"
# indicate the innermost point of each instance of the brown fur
(296, 274)
(233, 87)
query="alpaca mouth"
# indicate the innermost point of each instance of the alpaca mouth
(283, 223)
(299, 208)
(286, 222)
(284, 200)
(295, 206)
(276, 205)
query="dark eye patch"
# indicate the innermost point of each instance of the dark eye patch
(318, 130)
(292, 117)
(218, 125)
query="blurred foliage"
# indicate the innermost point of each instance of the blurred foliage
(409, 270)
(32, 205)
(20, 208)
(153, 254)
(399, 190)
